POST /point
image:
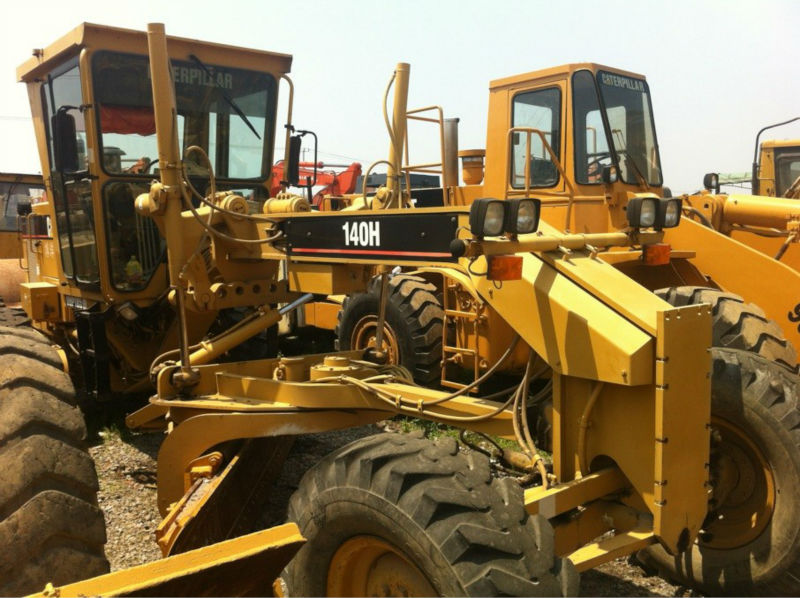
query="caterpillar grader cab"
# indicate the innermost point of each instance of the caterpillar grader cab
(99, 281)
(531, 285)
(97, 290)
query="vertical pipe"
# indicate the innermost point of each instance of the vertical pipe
(399, 109)
(169, 159)
(381, 315)
(450, 166)
(288, 120)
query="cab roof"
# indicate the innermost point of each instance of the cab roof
(781, 143)
(102, 37)
(558, 72)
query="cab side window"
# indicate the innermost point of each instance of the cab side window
(72, 193)
(539, 110)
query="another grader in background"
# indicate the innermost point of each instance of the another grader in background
(762, 219)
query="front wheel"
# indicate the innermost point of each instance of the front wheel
(395, 515)
(750, 542)
(736, 324)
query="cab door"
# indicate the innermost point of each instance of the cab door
(69, 178)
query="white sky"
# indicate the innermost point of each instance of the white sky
(718, 71)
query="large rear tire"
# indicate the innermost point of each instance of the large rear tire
(13, 316)
(750, 544)
(396, 515)
(413, 325)
(51, 529)
(736, 324)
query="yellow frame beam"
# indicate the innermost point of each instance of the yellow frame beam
(560, 499)
(607, 549)
(247, 565)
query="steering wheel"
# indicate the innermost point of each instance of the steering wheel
(148, 165)
(596, 160)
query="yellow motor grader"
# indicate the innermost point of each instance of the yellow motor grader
(581, 139)
(575, 132)
(661, 442)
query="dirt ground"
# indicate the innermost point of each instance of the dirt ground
(126, 466)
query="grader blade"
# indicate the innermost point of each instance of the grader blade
(244, 566)
(227, 504)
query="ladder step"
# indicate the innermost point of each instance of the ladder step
(450, 349)
(450, 384)
(467, 315)
(457, 386)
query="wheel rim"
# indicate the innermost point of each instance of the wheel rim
(744, 489)
(368, 566)
(365, 333)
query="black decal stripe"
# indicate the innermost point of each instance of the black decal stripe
(372, 252)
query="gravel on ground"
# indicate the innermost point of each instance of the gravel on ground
(126, 466)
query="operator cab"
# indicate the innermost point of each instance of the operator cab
(581, 131)
(93, 107)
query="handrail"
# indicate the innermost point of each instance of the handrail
(429, 167)
(529, 131)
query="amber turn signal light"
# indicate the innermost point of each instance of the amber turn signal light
(504, 267)
(656, 254)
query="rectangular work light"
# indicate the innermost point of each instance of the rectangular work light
(490, 217)
(642, 212)
(522, 216)
(671, 212)
(654, 212)
(486, 217)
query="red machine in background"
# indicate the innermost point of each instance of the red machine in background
(319, 173)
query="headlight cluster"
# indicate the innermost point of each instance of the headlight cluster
(492, 217)
(654, 212)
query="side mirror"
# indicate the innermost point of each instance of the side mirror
(609, 174)
(293, 166)
(24, 208)
(65, 141)
(711, 182)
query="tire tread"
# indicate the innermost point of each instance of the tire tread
(488, 539)
(51, 528)
(422, 319)
(736, 324)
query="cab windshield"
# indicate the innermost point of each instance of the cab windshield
(614, 128)
(225, 111)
